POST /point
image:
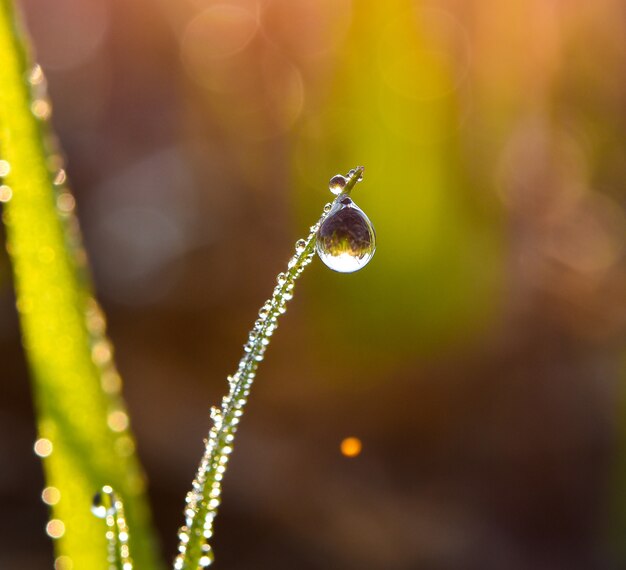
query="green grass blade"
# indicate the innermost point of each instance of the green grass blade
(203, 500)
(82, 422)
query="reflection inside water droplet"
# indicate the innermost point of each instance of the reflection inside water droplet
(346, 240)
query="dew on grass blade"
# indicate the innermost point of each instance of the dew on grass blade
(108, 506)
(351, 226)
(337, 184)
(346, 241)
(103, 503)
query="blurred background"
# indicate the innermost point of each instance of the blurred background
(477, 362)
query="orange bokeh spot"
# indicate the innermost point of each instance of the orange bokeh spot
(351, 446)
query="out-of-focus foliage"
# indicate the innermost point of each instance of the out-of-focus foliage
(83, 427)
(395, 104)
(477, 359)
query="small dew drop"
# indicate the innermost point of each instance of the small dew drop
(353, 171)
(216, 415)
(118, 420)
(36, 75)
(111, 382)
(43, 447)
(55, 528)
(5, 168)
(300, 245)
(346, 240)
(51, 495)
(337, 184)
(101, 352)
(5, 193)
(60, 177)
(63, 563)
(103, 503)
(66, 202)
(41, 108)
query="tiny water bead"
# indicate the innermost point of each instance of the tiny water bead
(337, 184)
(103, 503)
(358, 172)
(55, 528)
(51, 496)
(43, 447)
(346, 240)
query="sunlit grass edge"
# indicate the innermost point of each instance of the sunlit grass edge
(84, 439)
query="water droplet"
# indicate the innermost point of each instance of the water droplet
(55, 528)
(51, 495)
(103, 503)
(216, 415)
(346, 240)
(60, 177)
(5, 193)
(5, 168)
(353, 171)
(337, 184)
(43, 447)
(41, 108)
(300, 245)
(63, 563)
(118, 420)
(36, 75)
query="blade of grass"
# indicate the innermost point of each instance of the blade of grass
(203, 500)
(82, 421)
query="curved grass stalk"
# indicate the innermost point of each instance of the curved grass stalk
(204, 498)
(84, 438)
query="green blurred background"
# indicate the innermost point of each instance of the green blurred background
(478, 358)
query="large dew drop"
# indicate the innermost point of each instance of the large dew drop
(346, 240)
